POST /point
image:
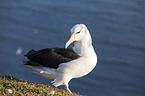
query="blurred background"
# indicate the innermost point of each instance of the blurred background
(117, 28)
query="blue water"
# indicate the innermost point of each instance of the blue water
(117, 28)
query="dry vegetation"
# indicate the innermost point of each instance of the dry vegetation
(12, 86)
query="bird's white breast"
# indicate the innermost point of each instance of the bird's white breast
(81, 66)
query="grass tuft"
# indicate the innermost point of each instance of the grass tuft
(12, 86)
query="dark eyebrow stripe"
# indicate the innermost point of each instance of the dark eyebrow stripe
(80, 30)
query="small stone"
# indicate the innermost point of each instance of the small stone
(10, 91)
(51, 93)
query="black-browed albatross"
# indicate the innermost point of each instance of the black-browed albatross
(63, 64)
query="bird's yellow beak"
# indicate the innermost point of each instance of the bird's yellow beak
(72, 39)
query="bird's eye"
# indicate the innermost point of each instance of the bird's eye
(78, 32)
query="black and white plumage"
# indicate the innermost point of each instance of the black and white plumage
(62, 64)
(50, 57)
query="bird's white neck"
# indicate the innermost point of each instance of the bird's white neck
(84, 46)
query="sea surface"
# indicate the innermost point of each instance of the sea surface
(118, 32)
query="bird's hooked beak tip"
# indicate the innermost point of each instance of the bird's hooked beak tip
(72, 39)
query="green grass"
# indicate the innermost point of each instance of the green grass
(22, 88)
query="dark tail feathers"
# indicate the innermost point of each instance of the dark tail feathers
(30, 54)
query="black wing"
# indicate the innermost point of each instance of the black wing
(50, 57)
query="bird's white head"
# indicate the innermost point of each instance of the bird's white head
(78, 32)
